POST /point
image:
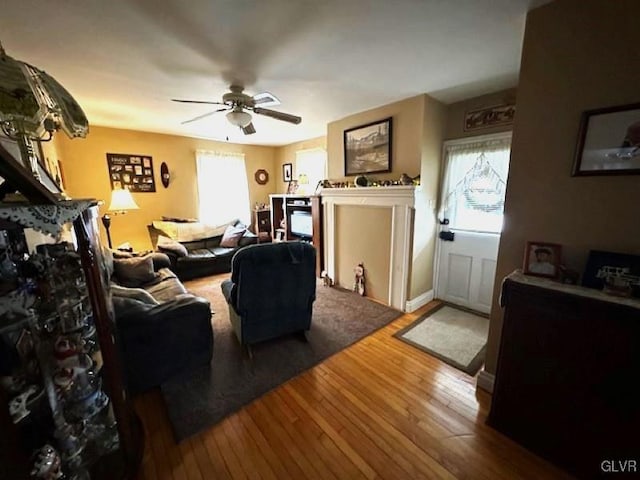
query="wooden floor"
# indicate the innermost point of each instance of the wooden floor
(379, 409)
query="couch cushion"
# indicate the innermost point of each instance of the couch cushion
(136, 293)
(134, 272)
(129, 307)
(198, 255)
(222, 251)
(167, 288)
(165, 243)
(231, 236)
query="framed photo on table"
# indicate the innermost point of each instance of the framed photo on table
(609, 141)
(542, 259)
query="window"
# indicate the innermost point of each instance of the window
(475, 183)
(311, 167)
(223, 190)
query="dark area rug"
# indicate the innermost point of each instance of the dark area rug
(201, 399)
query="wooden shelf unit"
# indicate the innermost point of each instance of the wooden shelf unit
(283, 206)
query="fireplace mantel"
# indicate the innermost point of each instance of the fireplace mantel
(401, 201)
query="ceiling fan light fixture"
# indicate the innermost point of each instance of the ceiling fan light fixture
(239, 118)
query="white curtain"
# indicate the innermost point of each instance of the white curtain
(223, 190)
(475, 183)
(311, 167)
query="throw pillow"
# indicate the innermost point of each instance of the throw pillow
(231, 236)
(134, 272)
(165, 243)
(134, 293)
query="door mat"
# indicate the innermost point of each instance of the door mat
(455, 336)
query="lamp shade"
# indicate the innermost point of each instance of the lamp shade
(29, 98)
(121, 201)
(239, 118)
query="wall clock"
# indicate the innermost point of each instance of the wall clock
(262, 176)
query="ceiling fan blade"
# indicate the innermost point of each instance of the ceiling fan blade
(196, 101)
(285, 117)
(249, 129)
(199, 117)
(265, 99)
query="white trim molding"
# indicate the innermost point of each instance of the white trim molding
(485, 381)
(401, 201)
(420, 301)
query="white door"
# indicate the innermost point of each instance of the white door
(472, 203)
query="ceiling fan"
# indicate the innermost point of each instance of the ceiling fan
(237, 103)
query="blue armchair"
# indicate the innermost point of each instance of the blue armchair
(271, 290)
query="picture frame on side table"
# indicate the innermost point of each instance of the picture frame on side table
(542, 259)
(609, 142)
(368, 148)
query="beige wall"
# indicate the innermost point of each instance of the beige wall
(424, 234)
(86, 175)
(363, 234)
(577, 56)
(287, 154)
(406, 140)
(456, 112)
(418, 129)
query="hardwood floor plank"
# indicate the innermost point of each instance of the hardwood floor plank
(335, 436)
(383, 456)
(227, 453)
(278, 465)
(247, 444)
(312, 448)
(272, 429)
(380, 409)
(209, 443)
(336, 462)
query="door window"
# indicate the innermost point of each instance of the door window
(475, 184)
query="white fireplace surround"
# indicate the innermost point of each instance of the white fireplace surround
(401, 200)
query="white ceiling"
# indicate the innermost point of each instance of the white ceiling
(324, 59)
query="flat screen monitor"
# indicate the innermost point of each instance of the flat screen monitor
(301, 224)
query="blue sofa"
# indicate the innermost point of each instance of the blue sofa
(271, 290)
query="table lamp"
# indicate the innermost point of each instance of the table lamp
(121, 201)
(303, 183)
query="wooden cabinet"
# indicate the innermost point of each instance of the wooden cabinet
(298, 217)
(62, 379)
(262, 224)
(567, 374)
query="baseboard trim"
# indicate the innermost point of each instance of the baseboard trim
(485, 381)
(415, 303)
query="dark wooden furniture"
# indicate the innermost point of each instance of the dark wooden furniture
(283, 207)
(262, 224)
(567, 374)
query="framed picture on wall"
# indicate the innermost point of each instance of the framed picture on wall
(287, 172)
(609, 141)
(367, 148)
(134, 172)
(495, 116)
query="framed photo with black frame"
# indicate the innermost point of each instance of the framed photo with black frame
(368, 148)
(287, 172)
(609, 142)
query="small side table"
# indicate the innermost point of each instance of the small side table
(262, 224)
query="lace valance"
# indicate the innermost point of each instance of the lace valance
(44, 218)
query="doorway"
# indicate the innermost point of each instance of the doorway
(471, 213)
